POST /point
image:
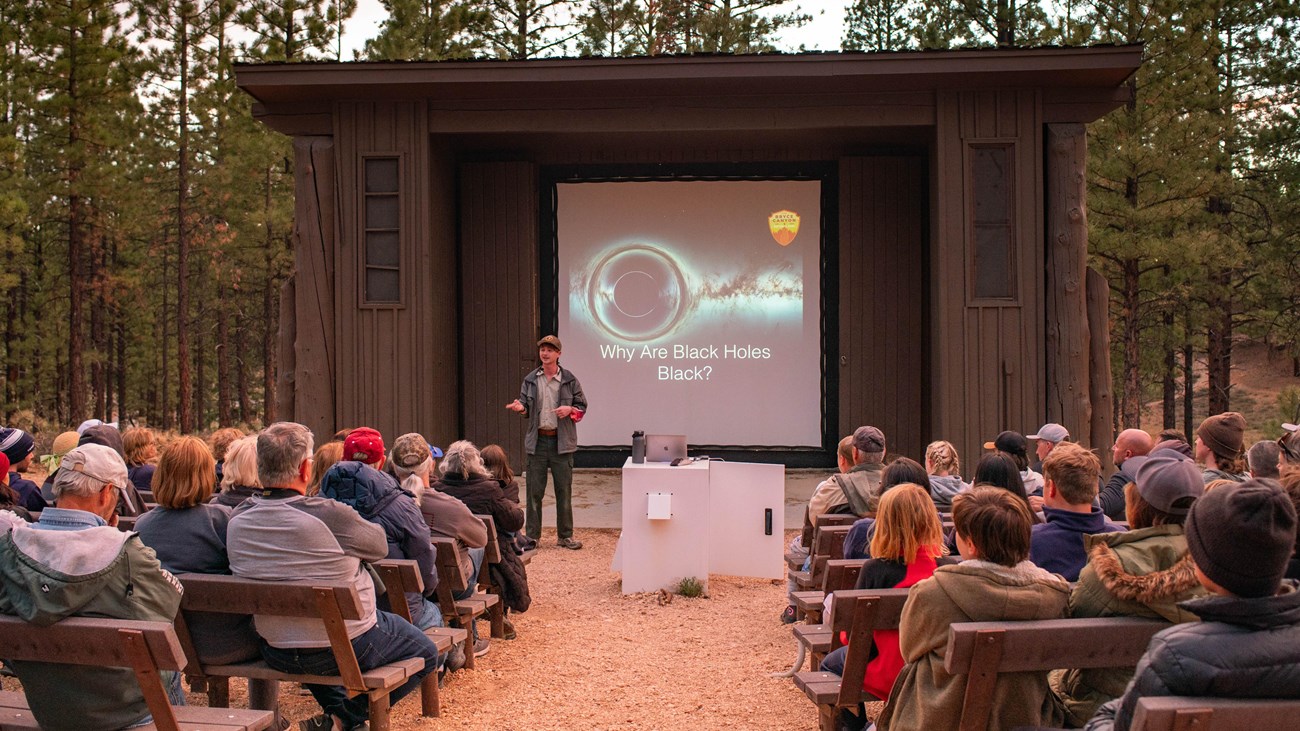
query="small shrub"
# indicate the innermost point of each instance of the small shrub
(690, 587)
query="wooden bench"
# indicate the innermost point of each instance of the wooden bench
(840, 574)
(983, 650)
(820, 639)
(330, 602)
(401, 576)
(828, 544)
(492, 557)
(861, 611)
(1182, 713)
(463, 612)
(145, 647)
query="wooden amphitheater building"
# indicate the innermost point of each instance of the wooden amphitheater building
(957, 300)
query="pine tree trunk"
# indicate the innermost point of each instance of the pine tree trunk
(223, 363)
(200, 374)
(76, 245)
(1168, 381)
(241, 375)
(1189, 387)
(185, 395)
(268, 318)
(1218, 347)
(1130, 293)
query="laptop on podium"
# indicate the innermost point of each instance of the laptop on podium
(664, 447)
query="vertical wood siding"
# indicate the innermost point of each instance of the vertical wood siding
(499, 307)
(882, 299)
(988, 354)
(315, 252)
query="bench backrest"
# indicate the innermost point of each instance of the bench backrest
(1178, 713)
(491, 552)
(859, 612)
(982, 650)
(842, 574)
(145, 647)
(332, 602)
(451, 576)
(400, 576)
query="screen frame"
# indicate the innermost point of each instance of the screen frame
(549, 290)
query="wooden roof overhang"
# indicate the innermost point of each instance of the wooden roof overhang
(668, 93)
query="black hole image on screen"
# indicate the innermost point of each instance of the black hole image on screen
(637, 293)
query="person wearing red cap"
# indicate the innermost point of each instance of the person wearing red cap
(364, 445)
(552, 400)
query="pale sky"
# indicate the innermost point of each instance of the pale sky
(823, 33)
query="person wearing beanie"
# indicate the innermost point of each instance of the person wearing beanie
(1247, 644)
(19, 446)
(8, 498)
(1219, 446)
(1144, 572)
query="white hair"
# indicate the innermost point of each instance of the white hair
(463, 458)
(412, 479)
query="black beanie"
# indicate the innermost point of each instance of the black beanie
(1242, 536)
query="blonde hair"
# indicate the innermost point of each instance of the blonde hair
(220, 442)
(329, 454)
(906, 524)
(135, 443)
(186, 474)
(942, 456)
(240, 467)
(1074, 470)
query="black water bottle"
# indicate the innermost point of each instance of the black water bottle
(638, 447)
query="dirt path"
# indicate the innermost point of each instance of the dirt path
(588, 657)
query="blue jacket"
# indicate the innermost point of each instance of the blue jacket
(378, 498)
(1057, 545)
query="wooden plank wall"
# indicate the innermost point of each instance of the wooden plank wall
(987, 372)
(394, 364)
(882, 300)
(315, 249)
(499, 309)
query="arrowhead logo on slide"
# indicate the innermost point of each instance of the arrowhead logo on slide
(784, 226)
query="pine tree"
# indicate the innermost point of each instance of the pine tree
(879, 25)
(428, 30)
(518, 29)
(608, 28)
(295, 30)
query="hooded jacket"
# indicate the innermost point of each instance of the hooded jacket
(856, 491)
(484, 496)
(943, 488)
(1142, 573)
(926, 696)
(48, 575)
(377, 497)
(1241, 648)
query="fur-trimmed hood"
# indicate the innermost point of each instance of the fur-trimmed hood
(1143, 572)
(1143, 588)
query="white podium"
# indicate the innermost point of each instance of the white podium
(700, 519)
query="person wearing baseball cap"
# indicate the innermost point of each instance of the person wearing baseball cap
(1144, 572)
(1015, 445)
(552, 400)
(364, 445)
(1289, 448)
(1247, 644)
(1048, 436)
(19, 446)
(71, 563)
(1220, 447)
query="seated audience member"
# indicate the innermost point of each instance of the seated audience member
(1291, 483)
(1070, 473)
(907, 546)
(219, 443)
(1247, 644)
(999, 469)
(283, 534)
(329, 454)
(445, 516)
(102, 572)
(1219, 447)
(942, 463)
(1014, 445)
(498, 465)
(19, 447)
(858, 490)
(1144, 572)
(902, 471)
(1048, 436)
(800, 546)
(1288, 446)
(188, 534)
(1130, 451)
(63, 443)
(239, 475)
(994, 582)
(9, 499)
(465, 478)
(129, 503)
(141, 447)
(1262, 459)
(358, 483)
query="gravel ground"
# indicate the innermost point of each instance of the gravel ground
(588, 657)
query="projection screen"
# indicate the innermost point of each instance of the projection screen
(693, 307)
